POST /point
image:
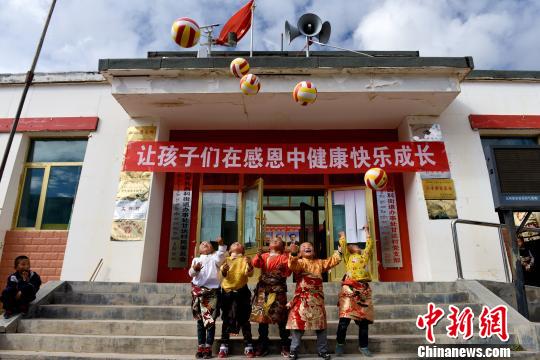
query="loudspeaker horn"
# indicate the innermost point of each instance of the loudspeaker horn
(324, 34)
(291, 32)
(309, 24)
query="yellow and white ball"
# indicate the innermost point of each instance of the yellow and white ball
(185, 32)
(250, 84)
(376, 179)
(239, 67)
(305, 93)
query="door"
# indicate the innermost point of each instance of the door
(252, 217)
(310, 229)
(349, 210)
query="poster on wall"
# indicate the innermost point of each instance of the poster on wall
(288, 233)
(441, 209)
(128, 230)
(389, 229)
(180, 221)
(131, 207)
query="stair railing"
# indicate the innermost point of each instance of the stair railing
(485, 224)
(96, 270)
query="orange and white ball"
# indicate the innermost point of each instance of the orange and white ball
(239, 67)
(185, 32)
(250, 84)
(305, 93)
(376, 179)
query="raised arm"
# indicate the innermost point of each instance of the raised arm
(219, 255)
(368, 250)
(258, 260)
(343, 244)
(294, 262)
(331, 262)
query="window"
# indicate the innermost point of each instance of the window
(219, 216)
(50, 179)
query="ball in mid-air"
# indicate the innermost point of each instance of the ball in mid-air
(376, 179)
(185, 32)
(250, 84)
(305, 93)
(239, 67)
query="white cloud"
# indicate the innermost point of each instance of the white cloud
(498, 34)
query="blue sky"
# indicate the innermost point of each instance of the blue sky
(499, 34)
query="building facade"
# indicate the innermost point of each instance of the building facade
(126, 170)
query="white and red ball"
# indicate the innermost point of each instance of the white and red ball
(250, 84)
(185, 32)
(239, 67)
(376, 179)
(305, 93)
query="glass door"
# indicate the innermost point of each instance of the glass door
(349, 210)
(252, 217)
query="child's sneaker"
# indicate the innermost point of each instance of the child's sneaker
(364, 351)
(200, 352)
(7, 314)
(248, 351)
(207, 352)
(293, 355)
(285, 351)
(325, 356)
(223, 351)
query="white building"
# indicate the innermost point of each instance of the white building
(63, 203)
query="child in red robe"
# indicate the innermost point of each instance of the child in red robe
(269, 304)
(307, 310)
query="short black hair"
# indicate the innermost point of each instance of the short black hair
(20, 258)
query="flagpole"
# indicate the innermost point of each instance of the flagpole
(27, 82)
(252, 28)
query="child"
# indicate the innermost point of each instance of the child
(236, 299)
(205, 293)
(21, 288)
(270, 299)
(307, 310)
(355, 296)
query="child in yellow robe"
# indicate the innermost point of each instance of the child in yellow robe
(236, 299)
(355, 302)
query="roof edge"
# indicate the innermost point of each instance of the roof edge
(54, 78)
(503, 75)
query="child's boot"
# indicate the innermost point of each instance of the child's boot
(248, 351)
(340, 349)
(262, 350)
(200, 352)
(364, 351)
(223, 351)
(293, 355)
(207, 352)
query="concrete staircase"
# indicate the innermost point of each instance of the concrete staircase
(153, 321)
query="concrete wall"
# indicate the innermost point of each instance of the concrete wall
(88, 239)
(431, 241)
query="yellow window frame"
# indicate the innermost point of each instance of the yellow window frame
(43, 195)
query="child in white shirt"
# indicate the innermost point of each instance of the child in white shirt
(204, 293)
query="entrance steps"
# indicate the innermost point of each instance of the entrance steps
(153, 321)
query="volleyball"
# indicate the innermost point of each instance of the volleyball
(376, 179)
(250, 84)
(305, 93)
(185, 32)
(239, 67)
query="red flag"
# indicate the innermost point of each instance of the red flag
(239, 23)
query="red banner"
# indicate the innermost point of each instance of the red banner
(338, 158)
